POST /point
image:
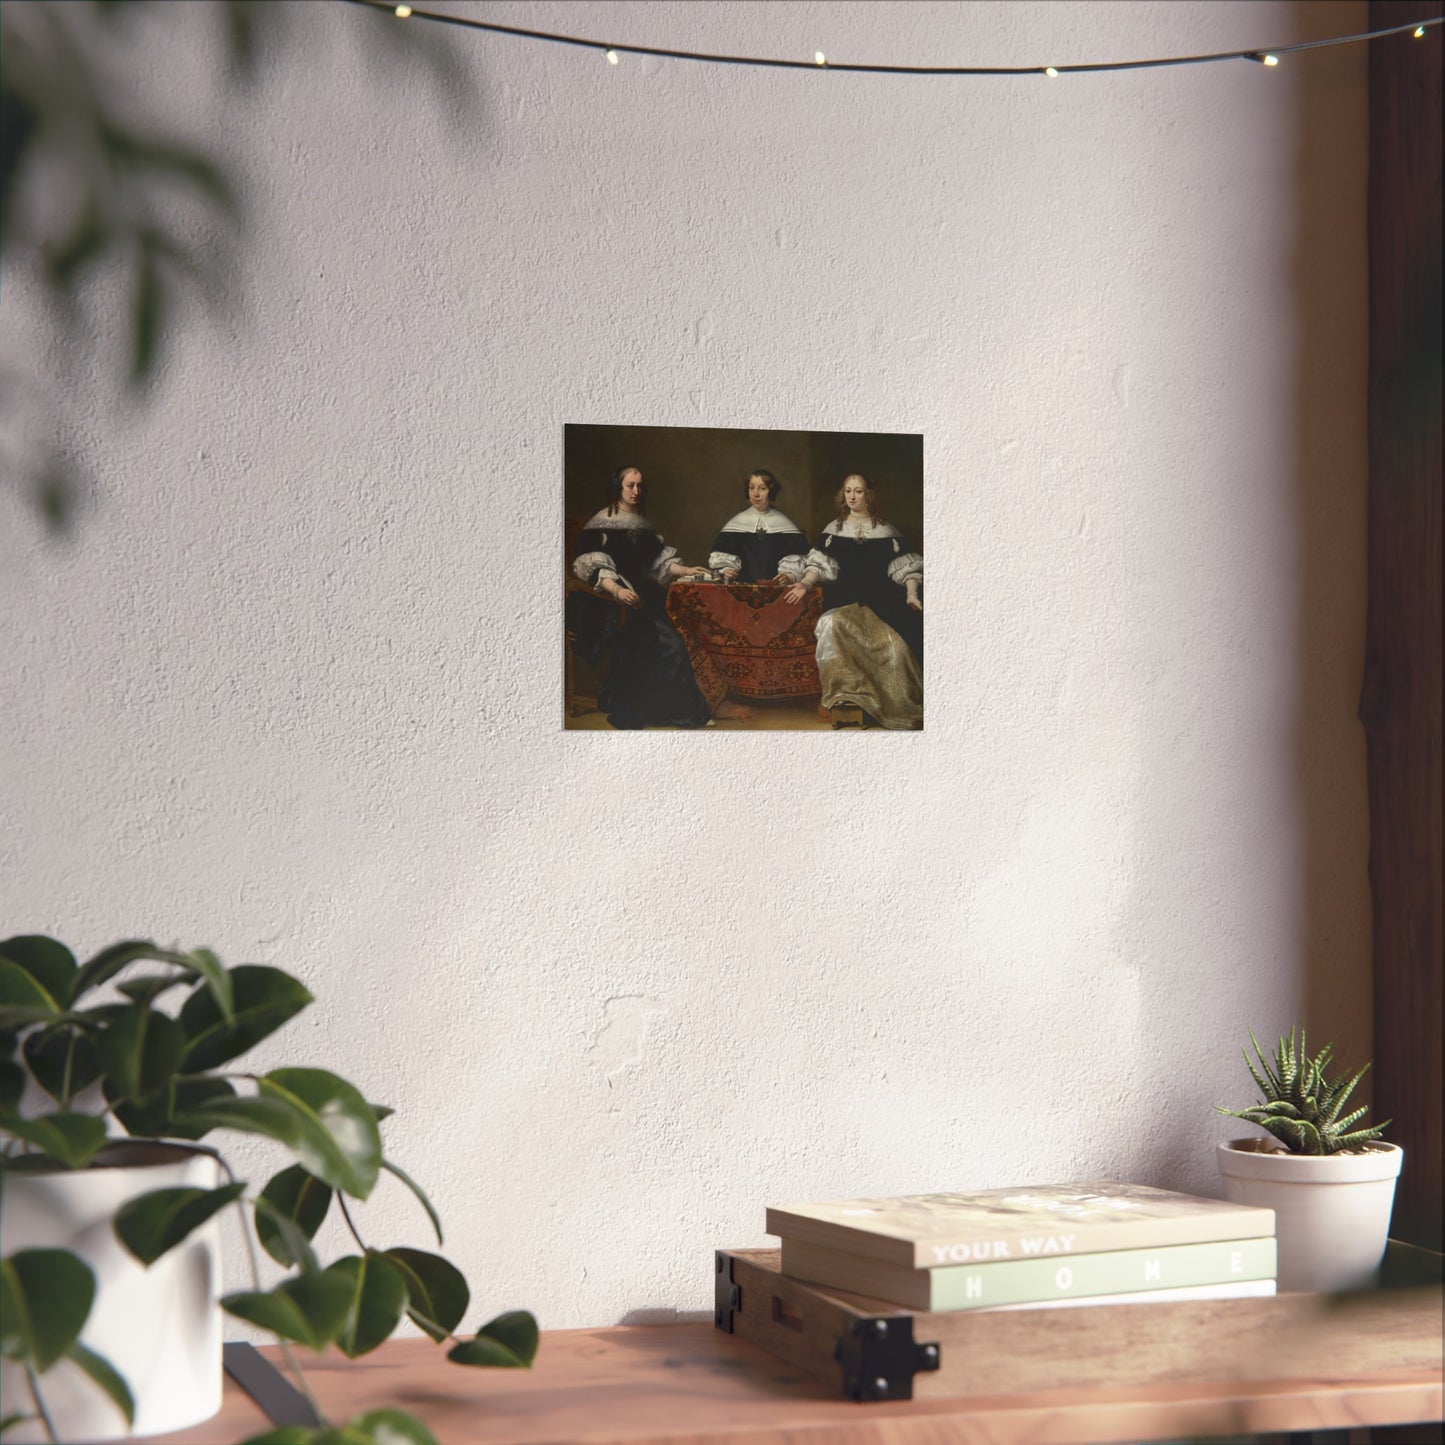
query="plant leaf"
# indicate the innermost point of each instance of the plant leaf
(378, 1296)
(23, 999)
(73, 1139)
(264, 998)
(12, 1086)
(165, 1116)
(507, 1342)
(278, 1115)
(46, 1297)
(148, 989)
(270, 1117)
(284, 1435)
(109, 962)
(1353, 1117)
(179, 161)
(296, 1243)
(186, 1094)
(151, 1224)
(104, 1374)
(298, 1197)
(416, 1189)
(310, 1310)
(11, 1421)
(14, 1322)
(147, 315)
(1360, 1136)
(392, 1427)
(437, 1292)
(50, 964)
(141, 1051)
(210, 968)
(340, 1143)
(517, 1330)
(47, 1052)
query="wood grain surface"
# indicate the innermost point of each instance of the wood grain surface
(1274, 1340)
(670, 1384)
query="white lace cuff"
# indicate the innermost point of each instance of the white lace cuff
(665, 559)
(724, 562)
(818, 561)
(592, 567)
(900, 569)
(793, 567)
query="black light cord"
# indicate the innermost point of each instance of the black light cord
(1261, 56)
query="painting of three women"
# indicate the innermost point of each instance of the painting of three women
(734, 579)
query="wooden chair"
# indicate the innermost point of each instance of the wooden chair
(580, 692)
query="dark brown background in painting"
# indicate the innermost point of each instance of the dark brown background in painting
(697, 476)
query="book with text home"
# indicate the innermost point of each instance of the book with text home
(1031, 1281)
(1244, 1289)
(924, 1231)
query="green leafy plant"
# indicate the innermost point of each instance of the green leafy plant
(170, 1074)
(92, 187)
(1301, 1107)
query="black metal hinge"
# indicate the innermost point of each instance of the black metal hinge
(280, 1401)
(880, 1358)
(727, 1296)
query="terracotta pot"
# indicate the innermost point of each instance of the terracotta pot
(160, 1327)
(1331, 1211)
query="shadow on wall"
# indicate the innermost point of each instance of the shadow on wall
(1331, 305)
(1321, 903)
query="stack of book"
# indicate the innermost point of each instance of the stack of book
(1025, 1248)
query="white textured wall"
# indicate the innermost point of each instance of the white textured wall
(293, 690)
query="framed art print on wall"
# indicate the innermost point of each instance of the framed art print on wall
(736, 579)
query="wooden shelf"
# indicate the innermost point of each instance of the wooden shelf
(693, 1384)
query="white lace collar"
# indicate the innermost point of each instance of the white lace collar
(619, 521)
(751, 520)
(865, 530)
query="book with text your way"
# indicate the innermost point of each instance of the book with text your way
(992, 1226)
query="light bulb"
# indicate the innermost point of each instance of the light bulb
(1051, 72)
(402, 11)
(1419, 32)
(612, 57)
(819, 58)
(1271, 60)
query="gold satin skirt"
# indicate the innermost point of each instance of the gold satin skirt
(864, 663)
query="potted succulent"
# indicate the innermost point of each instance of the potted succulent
(1331, 1185)
(113, 1084)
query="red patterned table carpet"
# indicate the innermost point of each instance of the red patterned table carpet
(743, 637)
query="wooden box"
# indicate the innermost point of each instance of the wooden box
(871, 1350)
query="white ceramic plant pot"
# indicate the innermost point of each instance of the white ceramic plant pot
(160, 1327)
(1331, 1211)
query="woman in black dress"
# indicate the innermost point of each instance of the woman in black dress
(760, 544)
(870, 636)
(649, 680)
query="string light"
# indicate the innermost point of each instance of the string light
(612, 57)
(1260, 56)
(402, 11)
